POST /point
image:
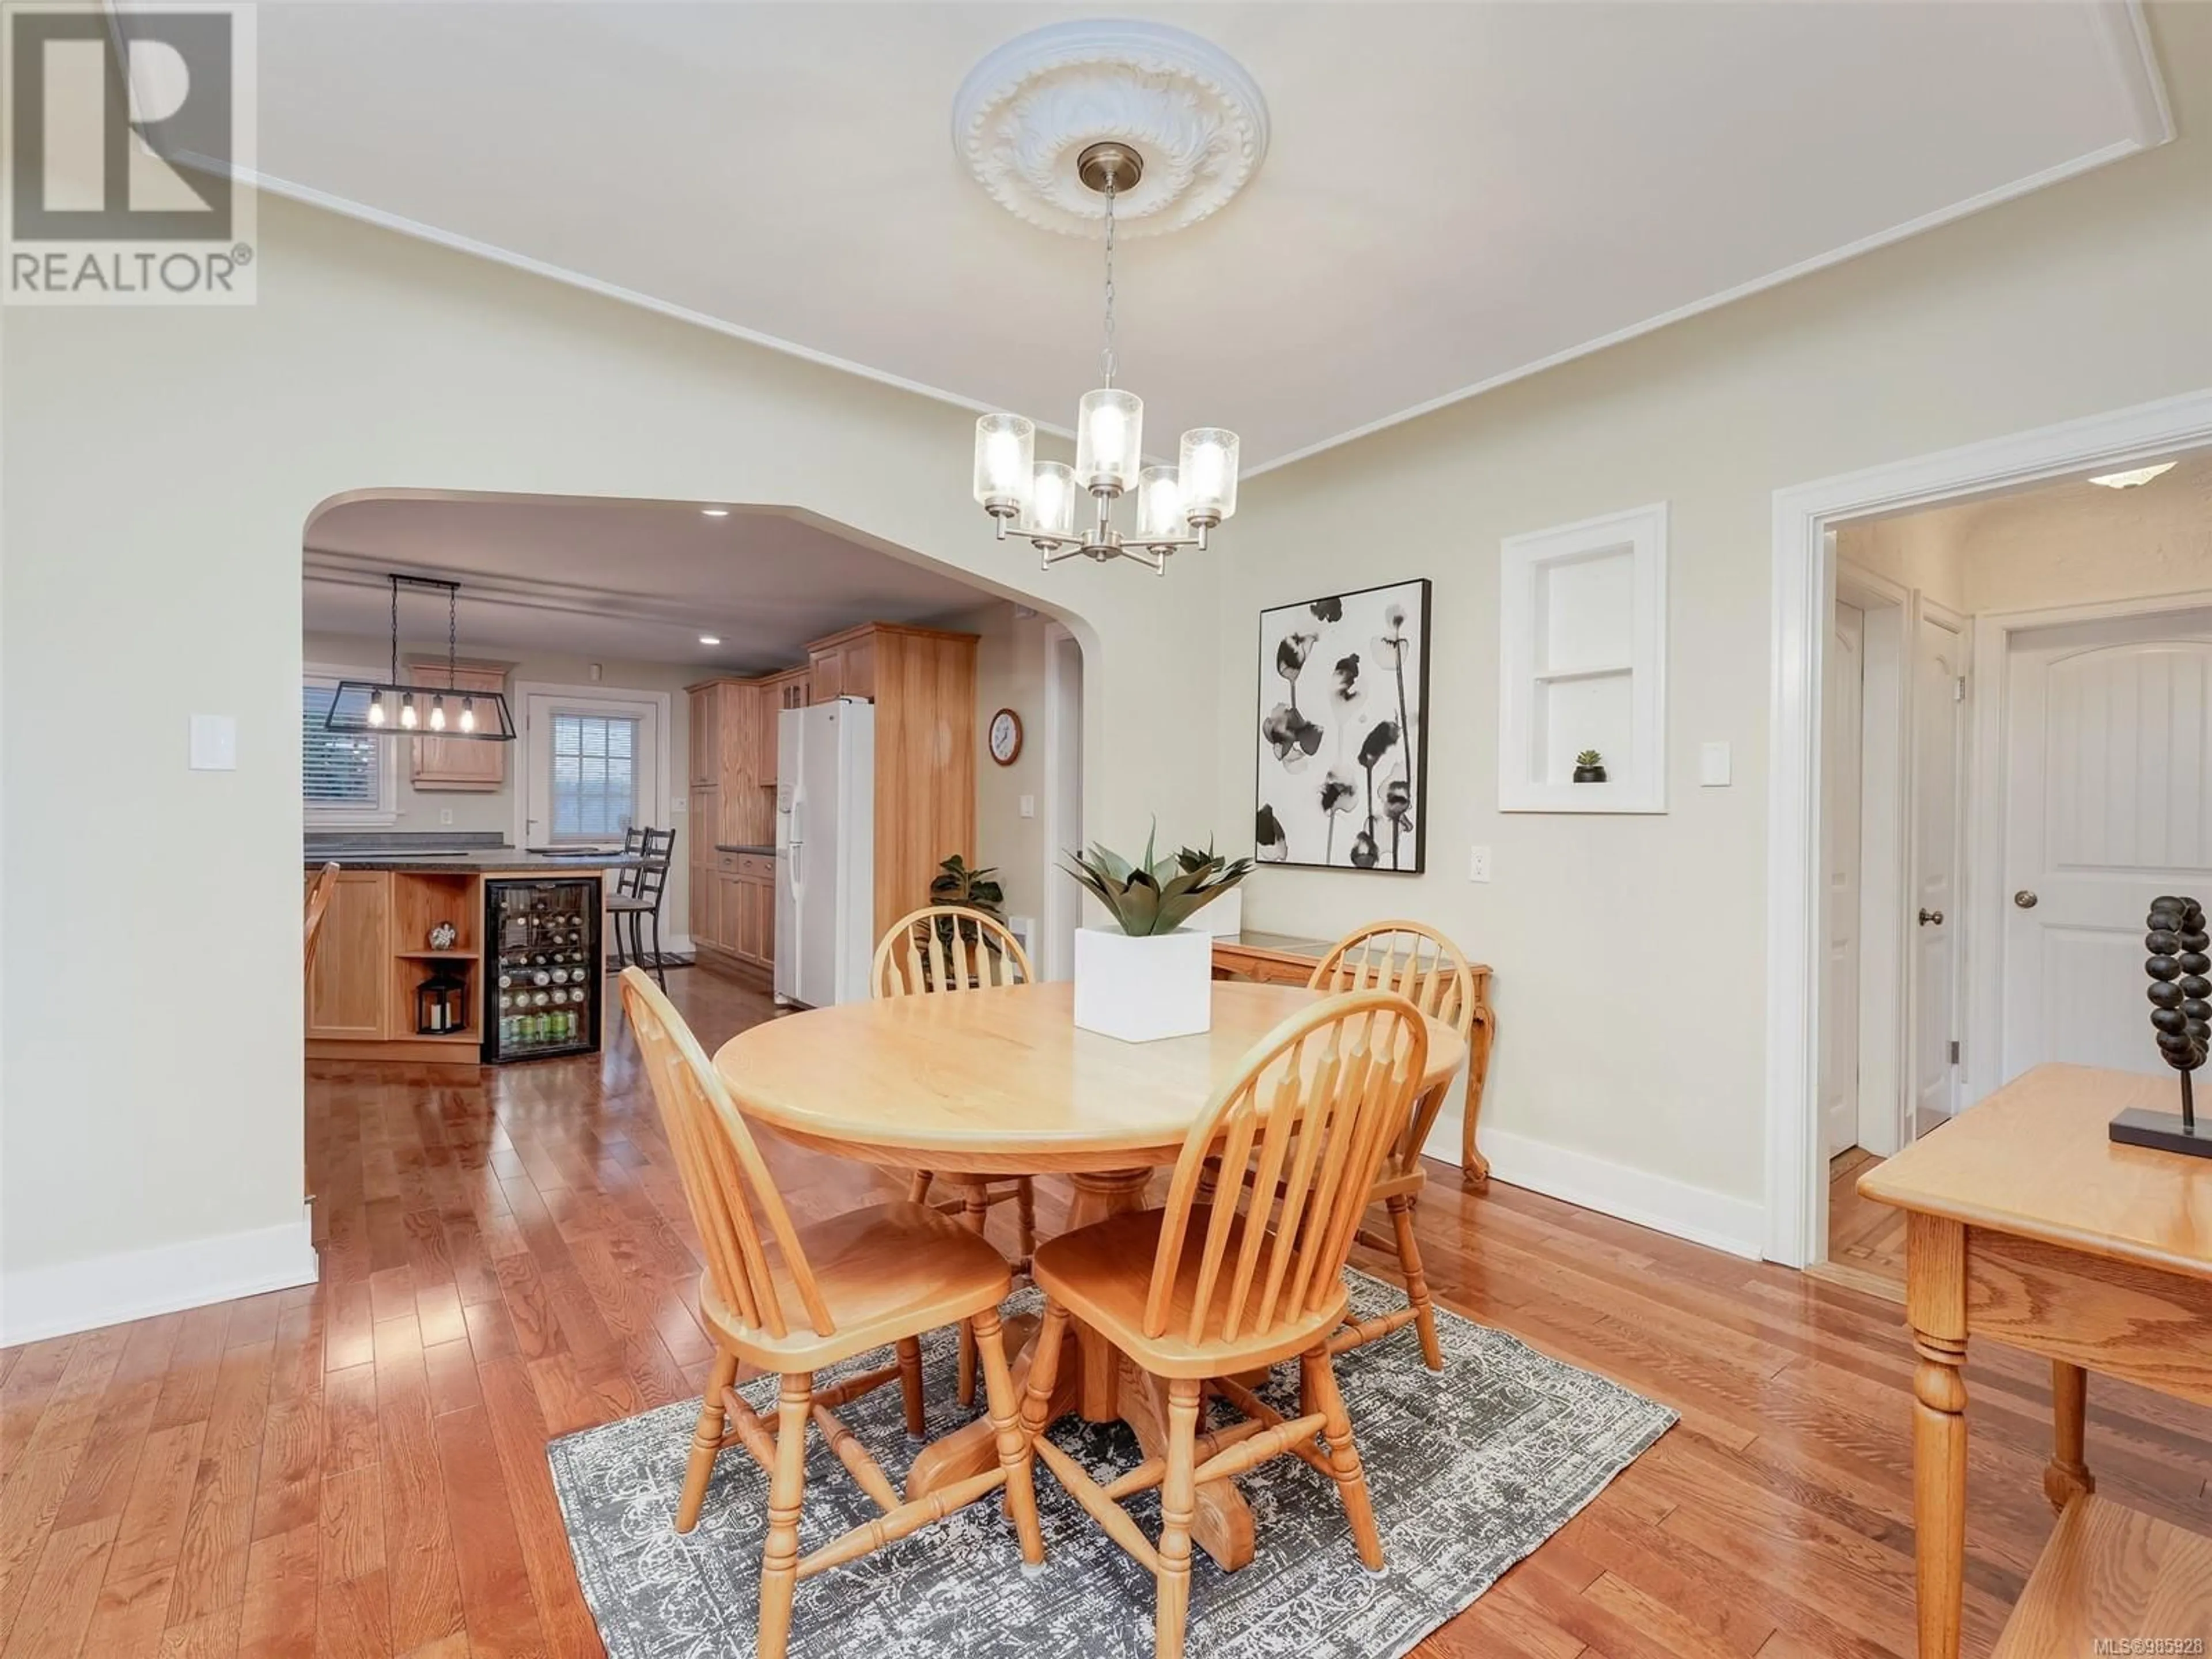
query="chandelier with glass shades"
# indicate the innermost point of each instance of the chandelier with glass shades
(1176, 505)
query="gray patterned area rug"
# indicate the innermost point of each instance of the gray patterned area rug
(1470, 1470)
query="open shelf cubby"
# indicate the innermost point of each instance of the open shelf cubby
(1583, 665)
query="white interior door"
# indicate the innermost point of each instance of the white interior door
(1843, 770)
(2108, 760)
(1939, 673)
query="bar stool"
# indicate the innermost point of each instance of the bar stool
(637, 895)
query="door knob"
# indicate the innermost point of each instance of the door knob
(1931, 918)
(2024, 899)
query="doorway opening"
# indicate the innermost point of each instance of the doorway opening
(1901, 596)
(1063, 820)
(2034, 763)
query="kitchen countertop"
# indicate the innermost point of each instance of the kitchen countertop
(472, 861)
(737, 847)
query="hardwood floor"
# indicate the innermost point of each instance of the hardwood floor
(358, 1468)
(1866, 1240)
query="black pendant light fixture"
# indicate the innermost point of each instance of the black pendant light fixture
(388, 708)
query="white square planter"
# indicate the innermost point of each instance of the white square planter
(1143, 989)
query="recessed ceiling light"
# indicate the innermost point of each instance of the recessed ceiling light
(715, 512)
(710, 639)
(2142, 475)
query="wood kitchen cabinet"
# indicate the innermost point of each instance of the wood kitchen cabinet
(922, 682)
(844, 665)
(349, 991)
(789, 689)
(459, 764)
(706, 710)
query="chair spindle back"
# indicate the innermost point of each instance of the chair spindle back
(947, 947)
(319, 904)
(1426, 969)
(1302, 1133)
(726, 1183)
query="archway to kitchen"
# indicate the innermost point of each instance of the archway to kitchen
(651, 658)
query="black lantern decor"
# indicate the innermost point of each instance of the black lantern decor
(441, 1004)
(2182, 1018)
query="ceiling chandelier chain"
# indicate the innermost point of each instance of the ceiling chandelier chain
(1107, 360)
(1176, 505)
(453, 635)
(395, 630)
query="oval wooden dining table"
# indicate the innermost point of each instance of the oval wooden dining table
(1001, 1081)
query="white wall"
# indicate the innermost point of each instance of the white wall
(1629, 950)
(161, 466)
(1010, 664)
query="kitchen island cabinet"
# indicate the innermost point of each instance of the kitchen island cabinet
(376, 951)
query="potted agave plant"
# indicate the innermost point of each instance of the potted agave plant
(1148, 976)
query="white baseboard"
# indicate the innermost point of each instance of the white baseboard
(1676, 1208)
(36, 1302)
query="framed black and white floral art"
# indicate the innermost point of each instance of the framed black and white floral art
(1343, 730)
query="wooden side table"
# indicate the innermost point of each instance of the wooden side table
(1286, 959)
(2025, 1224)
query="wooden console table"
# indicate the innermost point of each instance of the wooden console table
(1285, 959)
(2024, 1223)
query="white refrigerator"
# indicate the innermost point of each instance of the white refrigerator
(825, 845)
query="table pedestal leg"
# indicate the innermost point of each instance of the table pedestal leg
(1095, 1381)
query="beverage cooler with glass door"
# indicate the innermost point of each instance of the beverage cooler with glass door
(544, 994)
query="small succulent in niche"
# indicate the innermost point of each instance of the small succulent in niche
(1590, 767)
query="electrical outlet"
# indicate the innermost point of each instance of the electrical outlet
(1478, 864)
(1029, 807)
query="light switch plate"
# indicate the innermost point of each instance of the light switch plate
(1029, 807)
(1478, 864)
(214, 743)
(1713, 765)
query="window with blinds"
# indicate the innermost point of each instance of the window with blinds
(342, 773)
(595, 777)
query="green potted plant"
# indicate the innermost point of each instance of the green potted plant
(972, 890)
(1590, 767)
(1148, 976)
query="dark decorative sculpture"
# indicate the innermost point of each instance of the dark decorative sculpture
(2182, 1015)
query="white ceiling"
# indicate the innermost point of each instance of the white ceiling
(1455, 193)
(628, 580)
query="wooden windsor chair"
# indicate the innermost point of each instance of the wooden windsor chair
(1201, 1292)
(319, 904)
(949, 947)
(1429, 970)
(806, 1297)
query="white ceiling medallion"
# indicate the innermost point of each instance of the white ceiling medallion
(1030, 109)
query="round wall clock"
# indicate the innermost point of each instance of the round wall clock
(1005, 737)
